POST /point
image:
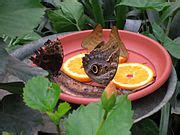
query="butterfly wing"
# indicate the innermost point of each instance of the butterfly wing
(93, 39)
(102, 62)
(50, 56)
(114, 35)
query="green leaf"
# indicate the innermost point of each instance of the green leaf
(6, 133)
(158, 32)
(68, 17)
(63, 108)
(17, 118)
(169, 44)
(172, 47)
(108, 104)
(88, 118)
(145, 127)
(26, 38)
(149, 35)
(169, 11)
(97, 11)
(174, 31)
(11, 65)
(108, 8)
(19, 17)
(40, 94)
(175, 102)
(13, 87)
(157, 5)
(164, 122)
(120, 119)
(121, 12)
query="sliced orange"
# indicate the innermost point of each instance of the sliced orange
(133, 75)
(122, 59)
(73, 67)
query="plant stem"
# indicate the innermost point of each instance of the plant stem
(77, 26)
(168, 25)
(58, 129)
(145, 20)
(97, 12)
(102, 122)
(165, 112)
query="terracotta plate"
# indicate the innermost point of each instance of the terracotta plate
(140, 48)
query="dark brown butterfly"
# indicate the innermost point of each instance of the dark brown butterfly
(102, 62)
(49, 57)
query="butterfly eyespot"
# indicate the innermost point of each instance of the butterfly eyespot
(94, 69)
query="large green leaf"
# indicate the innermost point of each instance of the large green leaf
(68, 17)
(174, 31)
(40, 94)
(157, 5)
(174, 6)
(121, 12)
(13, 87)
(26, 38)
(169, 44)
(97, 11)
(19, 16)
(86, 119)
(120, 119)
(16, 117)
(11, 65)
(108, 8)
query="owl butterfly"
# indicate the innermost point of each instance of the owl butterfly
(102, 62)
(49, 57)
(93, 39)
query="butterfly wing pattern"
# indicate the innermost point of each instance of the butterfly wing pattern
(102, 62)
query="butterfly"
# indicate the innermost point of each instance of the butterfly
(93, 39)
(102, 61)
(49, 57)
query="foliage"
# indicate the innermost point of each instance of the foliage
(69, 16)
(170, 45)
(19, 17)
(145, 4)
(97, 11)
(17, 118)
(15, 67)
(13, 87)
(88, 118)
(42, 95)
(160, 21)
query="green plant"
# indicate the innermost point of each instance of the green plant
(42, 95)
(160, 21)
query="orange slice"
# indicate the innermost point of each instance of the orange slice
(122, 59)
(133, 75)
(73, 67)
